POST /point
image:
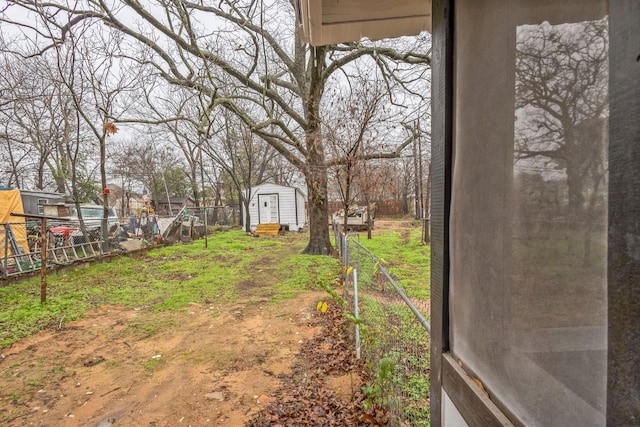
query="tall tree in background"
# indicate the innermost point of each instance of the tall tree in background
(255, 46)
(561, 99)
(562, 110)
(175, 112)
(87, 66)
(38, 117)
(244, 158)
(356, 124)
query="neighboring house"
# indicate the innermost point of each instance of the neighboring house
(33, 201)
(126, 206)
(136, 204)
(173, 205)
(277, 204)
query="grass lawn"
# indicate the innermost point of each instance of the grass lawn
(229, 318)
(167, 278)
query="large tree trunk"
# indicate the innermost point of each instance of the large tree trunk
(247, 215)
(316, 178)
(319, 242)
(316, 168)
(193, 180)
(59, 179)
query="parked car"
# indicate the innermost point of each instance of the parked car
(91, 214)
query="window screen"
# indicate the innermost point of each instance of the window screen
(529, 198)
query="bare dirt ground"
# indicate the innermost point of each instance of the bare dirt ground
(400, 224)
(208, 366)
(249, 363)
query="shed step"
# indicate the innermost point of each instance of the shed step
(268, 229)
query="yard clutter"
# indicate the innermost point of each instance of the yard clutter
(184, 227)
(69, 239)
(357, 217)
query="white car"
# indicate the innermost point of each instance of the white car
(92, 216)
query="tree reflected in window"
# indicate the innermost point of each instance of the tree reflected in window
(558, 270)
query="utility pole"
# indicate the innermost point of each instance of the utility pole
(416, 180)
(166, 190)
(421, 175)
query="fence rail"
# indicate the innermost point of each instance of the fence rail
(22, 243)
(391, 333)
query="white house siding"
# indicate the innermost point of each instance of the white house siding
(291, 205)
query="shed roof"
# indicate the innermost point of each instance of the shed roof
(175, 200)
(256, 188)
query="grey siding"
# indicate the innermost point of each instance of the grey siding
(30, 200)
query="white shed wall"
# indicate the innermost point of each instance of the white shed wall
(301, 203)
(291, 205)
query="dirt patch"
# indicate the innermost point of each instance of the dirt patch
(207, 365)
(345, 386)
(402, 225)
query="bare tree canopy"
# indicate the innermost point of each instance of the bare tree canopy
(246, 57)
(561, 99)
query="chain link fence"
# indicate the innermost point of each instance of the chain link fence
(66, 242)
(215, 216)
(391, 334)
(22, 244)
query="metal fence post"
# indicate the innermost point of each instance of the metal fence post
(345, 263)
(206, 229)
(5, 264)
(395, 331)
(355, 311)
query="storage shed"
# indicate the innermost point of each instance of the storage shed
(277, 204)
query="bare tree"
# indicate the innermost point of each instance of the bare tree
(359, 123)
(281, 77)
(37, 114)
(175, 112)
(422, 184)
(561, 98)
(351, 130)
(243, 157)
(88, 68)
(562, 109)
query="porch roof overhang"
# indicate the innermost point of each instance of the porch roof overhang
(324, 22)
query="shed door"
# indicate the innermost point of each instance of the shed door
(268, 204)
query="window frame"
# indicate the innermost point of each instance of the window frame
(623, 277)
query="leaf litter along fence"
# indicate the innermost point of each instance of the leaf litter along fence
(391, 334)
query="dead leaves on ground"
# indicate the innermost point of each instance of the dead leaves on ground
(305, 399)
